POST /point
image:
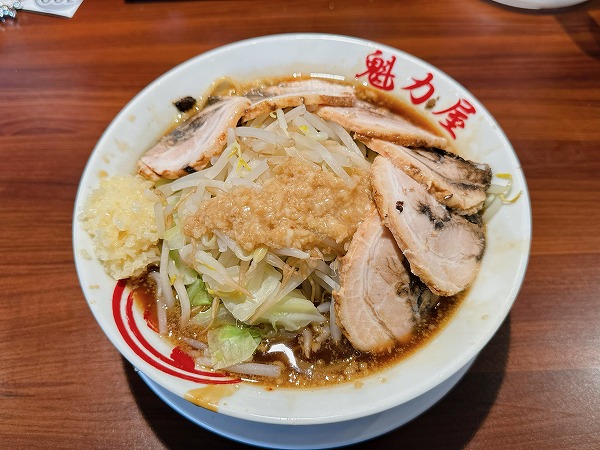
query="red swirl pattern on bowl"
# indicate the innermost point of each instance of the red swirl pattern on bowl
(177, 364)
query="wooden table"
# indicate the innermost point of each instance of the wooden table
(63, 385)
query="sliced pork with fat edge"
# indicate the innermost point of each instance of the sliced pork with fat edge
(377, 295)
(190, 146)
(455, 182)
(288, 94)
(443, 249)
(369, 121)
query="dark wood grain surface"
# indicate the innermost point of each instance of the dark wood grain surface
(63, 385)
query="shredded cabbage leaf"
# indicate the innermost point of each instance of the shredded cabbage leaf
(292, 313)
(198, 294)
(231, 344)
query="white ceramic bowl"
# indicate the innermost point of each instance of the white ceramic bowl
(478, 137)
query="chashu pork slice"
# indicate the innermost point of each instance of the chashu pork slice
(443, 249)
(455, 182)
(190, 146)
(368, 121)
(295, 93)
(373, 306)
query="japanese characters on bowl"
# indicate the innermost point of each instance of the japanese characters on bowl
(379, 73)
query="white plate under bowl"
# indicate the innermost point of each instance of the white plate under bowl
(540, 4)
(307, 437)
(458, 114)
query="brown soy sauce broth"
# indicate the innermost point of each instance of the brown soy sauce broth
(340, 362)
(332, 362)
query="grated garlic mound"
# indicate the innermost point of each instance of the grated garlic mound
(120, 219)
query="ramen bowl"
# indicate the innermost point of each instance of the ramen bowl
(457, 114)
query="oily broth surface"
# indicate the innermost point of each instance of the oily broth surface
(332, 363)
